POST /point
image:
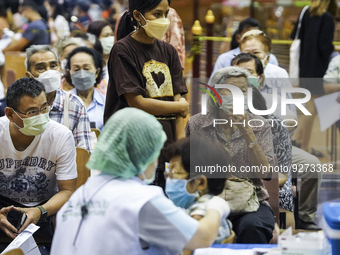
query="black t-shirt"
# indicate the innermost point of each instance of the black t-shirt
(151, 70)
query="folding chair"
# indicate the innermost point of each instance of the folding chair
(97, 131)
(16, 251)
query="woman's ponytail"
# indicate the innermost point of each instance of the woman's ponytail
(126, 25)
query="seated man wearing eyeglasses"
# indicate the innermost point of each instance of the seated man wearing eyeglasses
(37, 160)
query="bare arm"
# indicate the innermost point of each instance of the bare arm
(157, 107)
(331, 87)
(3, 75)
(208, 226)
(257, 156)
(52, 206)
(17, 46)
(180, 133)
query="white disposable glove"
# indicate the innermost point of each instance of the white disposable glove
(220, 205)
(8, 32)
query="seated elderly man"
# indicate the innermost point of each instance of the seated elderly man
(37, 160)
(42, 64)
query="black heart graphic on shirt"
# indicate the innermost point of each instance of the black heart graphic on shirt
(158, 78)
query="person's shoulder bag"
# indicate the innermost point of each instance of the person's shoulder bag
(294, 52)
(240, 195)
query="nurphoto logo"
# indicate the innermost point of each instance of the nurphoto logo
(238, 101)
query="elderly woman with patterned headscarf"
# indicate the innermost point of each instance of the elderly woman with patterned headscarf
(248, 137)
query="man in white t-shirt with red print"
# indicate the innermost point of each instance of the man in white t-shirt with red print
(37, 160)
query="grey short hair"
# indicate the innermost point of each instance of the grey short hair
(37, 49)
(66, 41)
(219, 78)
(228, 72)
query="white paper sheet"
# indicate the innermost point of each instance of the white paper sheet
(222, 251)
(25, 241)
(305, 243)
(227, 251)
(328, 110)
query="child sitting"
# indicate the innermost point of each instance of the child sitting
(190, 185)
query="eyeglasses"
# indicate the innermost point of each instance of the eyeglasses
(35, 112)
(176, 175)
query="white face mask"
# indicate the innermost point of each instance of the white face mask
(156, 28)
(264, 61)
(107, 43)
(51, 80)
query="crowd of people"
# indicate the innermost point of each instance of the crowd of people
(117, 67)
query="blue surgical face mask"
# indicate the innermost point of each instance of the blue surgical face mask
(24, 20)
(227, 103)
(177, 191)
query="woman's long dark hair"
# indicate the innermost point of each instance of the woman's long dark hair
(127, 22)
